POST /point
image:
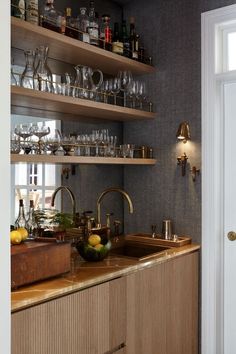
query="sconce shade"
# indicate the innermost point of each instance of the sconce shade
(183, 132)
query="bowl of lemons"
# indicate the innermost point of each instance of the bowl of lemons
(94, 249)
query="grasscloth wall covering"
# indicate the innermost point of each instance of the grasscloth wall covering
(171, 32)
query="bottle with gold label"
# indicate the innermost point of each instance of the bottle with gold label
(117, 44)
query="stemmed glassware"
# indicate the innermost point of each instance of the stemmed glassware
(24, 131)
(141, 93)
(115, 86)
(126, 80)
(40, 131)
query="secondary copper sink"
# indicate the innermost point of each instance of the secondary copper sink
(137, 250)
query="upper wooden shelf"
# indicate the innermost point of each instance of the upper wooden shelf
(25, 35)
(43, 104)
(51, 159)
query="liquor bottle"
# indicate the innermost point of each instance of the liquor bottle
(72, 29)
(31, 225)
(32, 11)
(18, 9)
(106, 33)
(83, 21)
(93, 28)
(132, 40)
(21, 221)
(125, 40)
(117, 44)
(51, 18)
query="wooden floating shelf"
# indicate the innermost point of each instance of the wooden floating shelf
(51, 159)
(25, 35)
(43, 104)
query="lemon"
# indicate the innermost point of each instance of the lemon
(98, 246)
(94, 240)
(23, 232)
(15, 237)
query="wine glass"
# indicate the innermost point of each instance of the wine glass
(115, 85)
(105, 90)
(126, 80)
(40, 131)
(141, 93)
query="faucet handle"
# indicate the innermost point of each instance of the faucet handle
(108, 220)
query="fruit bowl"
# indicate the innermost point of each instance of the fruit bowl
(93, 250)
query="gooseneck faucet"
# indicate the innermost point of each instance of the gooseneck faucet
(72, 197)
(106, 191)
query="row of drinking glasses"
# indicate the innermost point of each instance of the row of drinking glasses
(99, 143)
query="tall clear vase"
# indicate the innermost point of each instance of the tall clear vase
(27, 77)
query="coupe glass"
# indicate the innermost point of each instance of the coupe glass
(40, 131)
(24, 131)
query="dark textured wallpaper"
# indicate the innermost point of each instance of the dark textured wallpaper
(171, 33)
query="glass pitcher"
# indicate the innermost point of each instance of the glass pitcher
(84, 85)
(43, 75)
(27, 78)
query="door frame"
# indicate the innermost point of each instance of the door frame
(212, 328)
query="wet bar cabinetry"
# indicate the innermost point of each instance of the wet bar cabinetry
(28, 102)
(152, 309)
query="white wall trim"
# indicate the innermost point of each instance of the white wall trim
(212, 182)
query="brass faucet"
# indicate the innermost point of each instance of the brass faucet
(125, 194)
(72, 197)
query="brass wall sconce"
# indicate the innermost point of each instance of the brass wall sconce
(183, 132)
(182, 161)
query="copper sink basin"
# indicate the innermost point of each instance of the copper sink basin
(137, 250)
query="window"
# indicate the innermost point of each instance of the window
(231, 51)
(34, 181)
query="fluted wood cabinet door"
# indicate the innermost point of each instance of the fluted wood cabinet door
(162, 308)
(182, 305)
(91, 321)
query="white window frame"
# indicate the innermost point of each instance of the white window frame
(214, 75)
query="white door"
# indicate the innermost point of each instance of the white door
(229, 218)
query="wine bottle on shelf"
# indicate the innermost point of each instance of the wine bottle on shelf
(71, 25)
(117, 44)
(106, 33)
(93, 28)
(31, 225)
(125, 40)
(20, 221)
(133, 39)
(32, 12)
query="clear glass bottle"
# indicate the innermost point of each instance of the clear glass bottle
(83, 23)
(51, 18)
(93, 28)
(43, 74)
(27, 77)
(21, 221)
(71, 25)
(31, 225)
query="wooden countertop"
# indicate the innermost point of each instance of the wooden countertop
(85, 274)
